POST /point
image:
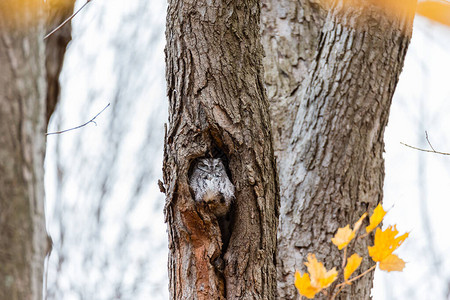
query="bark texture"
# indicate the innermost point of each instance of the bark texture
(330, 154)
(290, 34)
(58, 11)
(218, 106)
(23, 239)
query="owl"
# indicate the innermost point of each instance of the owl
(211, 185)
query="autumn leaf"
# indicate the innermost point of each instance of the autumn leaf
(393, 8)
(392, 263)
(376, 218)
(318, 278)
(303, 285)
(343, 236)
(438, 11)
(385, 243)
(21, 13)
(353, 263)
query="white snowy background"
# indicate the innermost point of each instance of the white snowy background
(104, 209)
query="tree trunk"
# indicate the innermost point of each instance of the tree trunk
(330, 123)
(218, 107)
(24, 114)
(23, 239)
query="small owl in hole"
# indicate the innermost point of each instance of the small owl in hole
(211, 185)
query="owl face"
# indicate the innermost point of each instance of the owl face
(211, 165)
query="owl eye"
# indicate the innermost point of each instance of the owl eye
(202, 166)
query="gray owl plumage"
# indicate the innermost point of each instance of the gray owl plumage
(211, 185)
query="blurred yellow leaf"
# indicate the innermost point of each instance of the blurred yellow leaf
(21, 14)
(438, 11)
(393, 8)
(318, 278)
(303, 285)
(385, 243)
(376, 218)
(343, 236)
(353, 263)
(392, 263)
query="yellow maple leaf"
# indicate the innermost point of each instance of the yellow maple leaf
(385, 243)
(318, 278)
(438, 11)
(353, 263)
(392, 263)
(343, 236)
(303, 285)
(376, 218)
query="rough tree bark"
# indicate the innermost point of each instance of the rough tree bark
(23, 121)
(290, 34)
(23, 238)
(329, 111)
(218, 105)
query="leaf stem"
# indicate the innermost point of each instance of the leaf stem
(359, 276)
(343, 284)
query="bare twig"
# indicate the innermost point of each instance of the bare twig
(67, 20)
(90, 121)
(425, 150)
(426, 136)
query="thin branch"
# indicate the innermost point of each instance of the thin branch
(365, 234)
(426, 136)
(343, 284)
(344, 260)
(338, 291)
(90, 121)
(359, 276)
(425, 150)
(67, 20)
